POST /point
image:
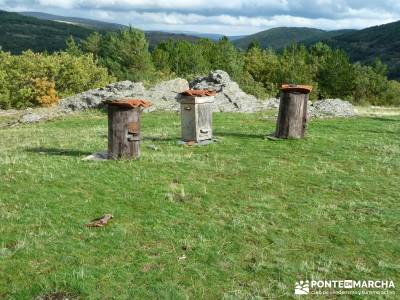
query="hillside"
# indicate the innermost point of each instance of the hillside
(88, 23)
(362, 46)
(155, 37)
(281, 37)
(19, 33)
(375, 42)
(100, 25)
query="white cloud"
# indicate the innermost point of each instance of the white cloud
(227, 17)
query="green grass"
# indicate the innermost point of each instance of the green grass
(240, 219)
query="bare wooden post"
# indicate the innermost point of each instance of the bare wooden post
(124, 128)
(292, 117)
(196, 115)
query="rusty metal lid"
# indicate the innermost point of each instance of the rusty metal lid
(129, 103)
(306, 89)
(199, 93)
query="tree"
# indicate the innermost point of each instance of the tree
(92, 44)
(263, 67)
(125, 54)
(294, 66)
(184, 58)
(369, 86)
(336, 76)
(72, 47)
(254, 44)
(226, 57)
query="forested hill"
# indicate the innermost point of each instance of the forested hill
(88, 23)
(363, 46)
(374, 42)
(46, 32)
(280, 37)
(154, 37)
(19, 33)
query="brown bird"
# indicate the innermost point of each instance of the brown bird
(100, 222)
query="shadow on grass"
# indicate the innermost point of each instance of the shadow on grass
(241, 135)
(388, 119)
(379, 131)
(58, 152)
(160, 138)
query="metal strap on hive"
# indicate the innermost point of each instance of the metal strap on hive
(129, 103)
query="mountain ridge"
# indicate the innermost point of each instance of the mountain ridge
(20, 32)
(280, 37)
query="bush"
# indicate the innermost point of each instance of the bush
(391, 96)
(76, 74)
(38, 79)
(43, 92)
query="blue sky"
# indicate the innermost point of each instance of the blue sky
(230, 17)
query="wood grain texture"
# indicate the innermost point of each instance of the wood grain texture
(292, 117)
(123, 132)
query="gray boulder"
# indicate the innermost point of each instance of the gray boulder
(230, 97)
(215, 81)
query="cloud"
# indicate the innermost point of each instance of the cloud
(228, 17)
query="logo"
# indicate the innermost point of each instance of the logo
(345, 287)
(302, 288)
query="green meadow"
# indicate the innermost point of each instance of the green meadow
(243, 218)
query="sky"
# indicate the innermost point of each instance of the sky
(228, 17)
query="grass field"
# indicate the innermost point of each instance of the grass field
(243, 218)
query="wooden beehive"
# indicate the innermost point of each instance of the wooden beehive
(124, 128)
(196, 118)
(292, 116)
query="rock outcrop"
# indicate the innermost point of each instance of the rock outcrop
(230, 97)
(164, 96)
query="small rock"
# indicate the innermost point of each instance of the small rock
(331, 108)
(153, 147)
(32, 118)
(98, 156)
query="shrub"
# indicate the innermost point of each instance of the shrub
(4, 91)
(44, 92)
(391, 95)
(76, 74)
(37, 79)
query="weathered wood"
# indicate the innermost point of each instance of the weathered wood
(123, 132)
(188, 122)
(196, 118)
(204, 121)
(292, 117)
